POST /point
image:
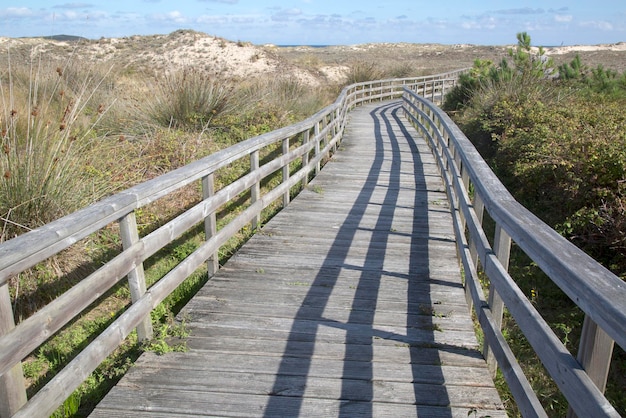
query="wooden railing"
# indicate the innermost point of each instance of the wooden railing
(597, 292)
(304, 146)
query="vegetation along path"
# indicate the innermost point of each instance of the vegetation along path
(348, 302)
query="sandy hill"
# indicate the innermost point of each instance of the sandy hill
(156, 53)
(224, 58)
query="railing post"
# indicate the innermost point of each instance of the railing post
(316, 137)
(12, 386)
(286, 172)
(432, 92)
(443, 91)
(325, 129)
(136, 277)
(479, 209)
(502, 249)
(336, 121)
(210, 223)
(594, 354)
(305, 158)
(256, 188)
(465, 178)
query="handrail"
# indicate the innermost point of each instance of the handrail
(597, 291)
(308, 142)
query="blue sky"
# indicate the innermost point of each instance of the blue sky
(327, 22)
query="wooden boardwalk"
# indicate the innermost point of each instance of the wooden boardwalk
(348, 303)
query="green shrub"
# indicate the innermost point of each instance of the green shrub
(559, 146)
(573, 70)
(528, 68)
(467, 85)
(599, 79)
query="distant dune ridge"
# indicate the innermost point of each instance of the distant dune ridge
(309, 64)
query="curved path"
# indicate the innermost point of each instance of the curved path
(348, 303)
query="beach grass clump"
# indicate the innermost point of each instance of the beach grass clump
(288, 97)
(188, 99)
(360, 71)
(48, 114)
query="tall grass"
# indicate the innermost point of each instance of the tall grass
(360, 71)
(188, 99)
(47, 118)
(287, 98)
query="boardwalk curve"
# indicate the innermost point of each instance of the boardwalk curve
(349, 302)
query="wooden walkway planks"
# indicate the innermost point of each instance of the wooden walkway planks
(348, 303)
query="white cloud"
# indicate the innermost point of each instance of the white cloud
(212, 19)
(521, 11)
(72, 16)
(483, 22)
(598, 24)
(16, 12)
(563, 18)
(173, 17)
(286, 15)
(73, 6)
(243, 19)
(438, 23)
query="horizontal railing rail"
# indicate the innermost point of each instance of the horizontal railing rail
(303, 148)
(593, 288)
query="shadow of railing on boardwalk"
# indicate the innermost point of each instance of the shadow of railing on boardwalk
(357, 384)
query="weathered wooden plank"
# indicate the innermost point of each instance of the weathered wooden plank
(297, 281)
(387, 305)
(388, 343)
(418, 338)
(190, 403)
(448, 321)
(28, 335)
(363, 390)
(215, 362)
(424, 337)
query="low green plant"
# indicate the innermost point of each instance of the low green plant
(527, 68)
(162, 342)
(70, 406)
(599, 79)
(574, 70)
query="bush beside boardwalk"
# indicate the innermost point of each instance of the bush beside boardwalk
(556, 137)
